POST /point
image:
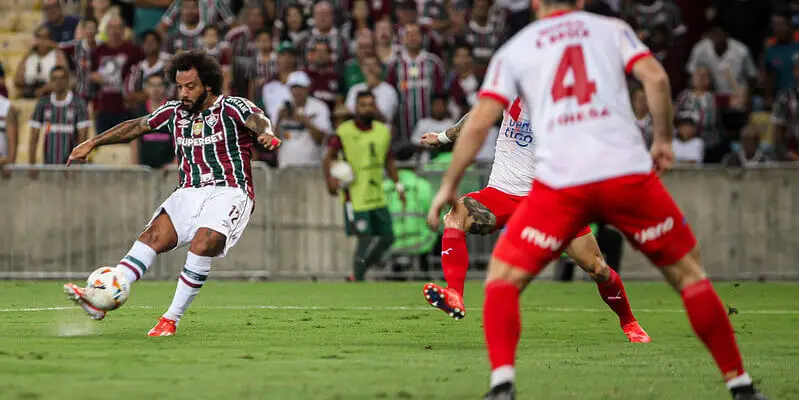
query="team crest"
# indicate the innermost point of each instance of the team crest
(197, 128)
(211, 120)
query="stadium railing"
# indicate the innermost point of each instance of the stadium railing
(67, 222)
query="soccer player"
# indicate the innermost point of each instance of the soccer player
(568, 67)
(487, 210)
(214, 137)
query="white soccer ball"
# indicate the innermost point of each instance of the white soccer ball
(107, 288)
(343, 173)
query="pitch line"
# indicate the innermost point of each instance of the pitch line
(400, 308)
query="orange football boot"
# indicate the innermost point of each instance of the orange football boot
(164, 327)
(635, 333)
(78, 295)
(445, 299)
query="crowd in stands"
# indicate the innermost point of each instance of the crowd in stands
(733, 65)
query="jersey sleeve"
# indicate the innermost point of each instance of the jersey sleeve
(37, 118)
(82, 115)
(632, 49)
(161, 116)
(241, 109)
(171, 13)
(499, 82)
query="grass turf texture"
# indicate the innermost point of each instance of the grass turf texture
(334, 347)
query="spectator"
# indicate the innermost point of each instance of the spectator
(241, 40)
(293, 26)
(303, 123)
(324, 78)
(324, 30)
(190, 31)
(360, 21)
(484, 37)
(103, 12)
(211, 12)
(385, 95)
(9, 129)
(745, 20)
(79, 53)
(264, 67)
(367, 146)
(153, 149)
(700, 101)
(785, 117)
(750, 152)
(779, 57)
(276, 92)
(62, 116)
(462, 83)
(439, 119)
(3, 88)
(642, 116)
(407, 13)
(519, 14)
(353, 70)
(721, 53)
(340, 115)
(416, 74)
(62, 27)
(385, 49)
(688, 146)
(154, 63)
(146, 16)
(647, 14)
(381, 9)
(111, 63)
(222, 52)
(32, 73)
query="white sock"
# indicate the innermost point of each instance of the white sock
(738, 381)
(190, 280)
(505, 373)
(135, 264)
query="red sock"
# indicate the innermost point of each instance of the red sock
(712, 325)
(501, 322)
(454, 258)
(614, 295)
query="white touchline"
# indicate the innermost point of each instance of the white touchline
(403, 308)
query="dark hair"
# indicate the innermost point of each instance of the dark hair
(440, 96)
(207, 67)
(151, 76)
(462, 44)
(59, 68)
(784, 13)
(196, 1)
(370, 22)
(263, 31)
(284, 26)
(88, 19)
(364, 93)
(212, 27)
(152, 33)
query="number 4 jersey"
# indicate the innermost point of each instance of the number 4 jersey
(570, 70)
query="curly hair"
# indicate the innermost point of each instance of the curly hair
(207, 67)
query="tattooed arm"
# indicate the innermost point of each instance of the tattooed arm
(259, 124)
(122, 133)
(435, 139)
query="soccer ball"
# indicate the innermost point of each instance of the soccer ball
(343, 173)
(107, 288)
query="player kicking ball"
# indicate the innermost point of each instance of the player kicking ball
(569, 67)
(214, 136)
(489, 209)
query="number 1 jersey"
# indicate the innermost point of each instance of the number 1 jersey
(570, 70)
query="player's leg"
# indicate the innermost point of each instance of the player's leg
(360, 225)
(220, 223)
(648, 216)
(535, 235)
(383, 231)
(584, 250)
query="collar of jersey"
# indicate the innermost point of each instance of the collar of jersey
(558, 13)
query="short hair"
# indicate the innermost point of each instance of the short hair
(152, 33)
(440, 96)
(207, 67)
(263, 32)
(151, 76)
(86, 20)
(461, 44)
(59, 68)
(364, 93)
(212, 27)
(571, 3)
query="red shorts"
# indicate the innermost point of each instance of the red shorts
(638, 205)
(503, 205)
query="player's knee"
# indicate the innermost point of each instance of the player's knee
(208, 243)
(686, 271)
(501, 271)
(157, 239)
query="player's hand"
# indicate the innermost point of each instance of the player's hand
(446, 196)
(430, 139)
(403, 199)
(333, 185)
(81, 152)
(662, 155)
(269, 141)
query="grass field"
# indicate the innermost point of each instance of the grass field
(378, 341)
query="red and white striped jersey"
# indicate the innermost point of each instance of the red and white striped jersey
(570, 70)
(214, 147)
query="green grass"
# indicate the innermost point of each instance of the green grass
(571, 346)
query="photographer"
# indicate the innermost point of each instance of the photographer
(303, 123)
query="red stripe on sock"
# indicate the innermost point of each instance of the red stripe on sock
(132, 268)
(501, 322)
(186, 281)
(614, 295)
(454, 258)
(709, 320)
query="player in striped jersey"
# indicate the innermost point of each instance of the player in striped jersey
(154, 63)
(482, 35)
(214, 139)
(62, 117)
(8, 135)
(79, 52)
(189, 34)
(417, 75)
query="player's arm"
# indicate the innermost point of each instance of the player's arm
(260, 125)
(122, 133)
(393, 174)
(472, 135)
(447, 136)
(658, 94)
(12, 126)
(331, 155)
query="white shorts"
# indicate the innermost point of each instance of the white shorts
(223, 209)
